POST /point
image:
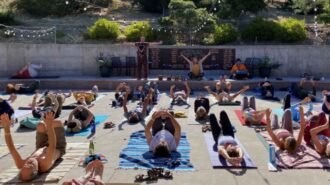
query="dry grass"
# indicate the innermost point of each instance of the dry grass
(4, 5)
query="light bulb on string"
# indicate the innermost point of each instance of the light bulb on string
(85, 9)
(66, 2)
(21, 35)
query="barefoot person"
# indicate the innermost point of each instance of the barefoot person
(224, 97)
(201, 107)
(250, 114)
(267, 91)
(295, 108)
(93, 175)
(22, 88)
(163, 133)
(50, 146)
(283, 136)
(196, 66)
(313, 122)
(142, 58)
(180, 96)
(227, 145)
(79, 119)
(302, 90)
(321, 143)
(28, 71)
(121, 89)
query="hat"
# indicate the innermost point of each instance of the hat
(326, 101)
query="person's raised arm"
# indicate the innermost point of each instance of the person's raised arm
(177, 127)
(185, 58)
(270, 131)
(318, 145)
(34, 102)
(119, 86)
(72, 113)
(208, 89)
(205, 57)
(147, 129)
(146, 103)
(9, 141)
(302, 126)
(172, 92)
(187, 89)
(125, 102)
(51, 149)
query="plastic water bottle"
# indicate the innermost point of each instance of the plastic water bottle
(272, 158)
(91, 147)
(93, 127)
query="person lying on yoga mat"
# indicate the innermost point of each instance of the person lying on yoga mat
(201, 107)
(239, 70)
(295, 108)
(283, 136)
(313, 122)
(50, 146)
(140, 112)
(225, 97)
(22, 89)
(52, 103)
(6, 108)
(180, 97)
(267, 90)
(321, 143)
(141, 91)
(219, 85)
(196, 66)
(121, 90)
(86, 97)
(227, 145)
(93, 175)
(79, 119)
(302, 91)
(163, 133)
(28, 71)
(250, 113)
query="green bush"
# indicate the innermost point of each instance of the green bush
(155, 6)
(104, 29)
(324, 18)
(7, 18)
(260, 30)
(225, 33)
(292, 30)
(48, 7)
(136, 30)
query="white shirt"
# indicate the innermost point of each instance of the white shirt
(163, 135)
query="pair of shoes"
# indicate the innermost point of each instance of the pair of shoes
(154, 174)
(206, 128)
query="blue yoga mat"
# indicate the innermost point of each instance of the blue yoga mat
(220, 162)
(137, 155)
(278, 111)
(98, 120)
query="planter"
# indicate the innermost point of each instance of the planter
(265, 72)
(105, 71)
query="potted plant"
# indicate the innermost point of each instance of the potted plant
(266, 66)
(104, 64)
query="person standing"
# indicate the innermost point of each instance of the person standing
(142, 58)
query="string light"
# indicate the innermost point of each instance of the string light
(30, 32)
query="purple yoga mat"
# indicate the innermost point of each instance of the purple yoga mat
(218, 161)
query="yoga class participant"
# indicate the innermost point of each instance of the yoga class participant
(121, 89)
(79, 119)
(295, 108)
(223, 82)
(86, 97)
(180, 97)
(239, 71)
(163, 133)
(50, 146)
(321, 143)
(225, 139)
(140, 112)
(22, 89)
(282, 135)
(201, 107)
(6, 108)
(224, 97)
(52, 103)
(196, 66)
(313, 122)
(28, 71)
(267, 91)
(250, 113)
(302, 91)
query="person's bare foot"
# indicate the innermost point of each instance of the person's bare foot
(246, 87)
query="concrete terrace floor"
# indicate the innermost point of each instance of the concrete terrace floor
(111, 142)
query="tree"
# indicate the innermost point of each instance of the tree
(302, 6)
(236, 8)
(154, 6)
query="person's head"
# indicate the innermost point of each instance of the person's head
(238, 61)
(81, 100)
(134, 117)
(232, 151)
(290, 144)
(142, 39)
(29, 171)
(10, 88)
(74, 125)
(218, 86)
(194, 60)
(162, 150)
(228, 85)
(201, 113)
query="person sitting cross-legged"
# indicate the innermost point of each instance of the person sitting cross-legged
(239, 70)
(163, 133)
(225, 139)
(283, 136)
(50, 146)
(79, 119)
(196, 66)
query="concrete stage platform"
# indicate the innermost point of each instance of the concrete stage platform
(110, 83)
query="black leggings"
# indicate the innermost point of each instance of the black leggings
(29, 89)
(158, 126)
(192, 76)
(287, 102)
(226, 127)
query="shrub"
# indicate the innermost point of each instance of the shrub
(225, 33)
(292, 30)
(155, 6)
(324, 18)
(45, 8)
(7, 18)
(261, 30)
(136, 30)
(104, 29)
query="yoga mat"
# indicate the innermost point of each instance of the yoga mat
(20, 113)
(220, 162)
(304, 158)
(239, 114)
(100, 96)
(98, 120)
(74, 152)
(4, 149)
(38, 77)
(137, 155)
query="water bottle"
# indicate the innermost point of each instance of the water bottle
(272, 158)
(91, 147)
(93, 127)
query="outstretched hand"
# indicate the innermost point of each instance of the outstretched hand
(5, 120)
(49, 118)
